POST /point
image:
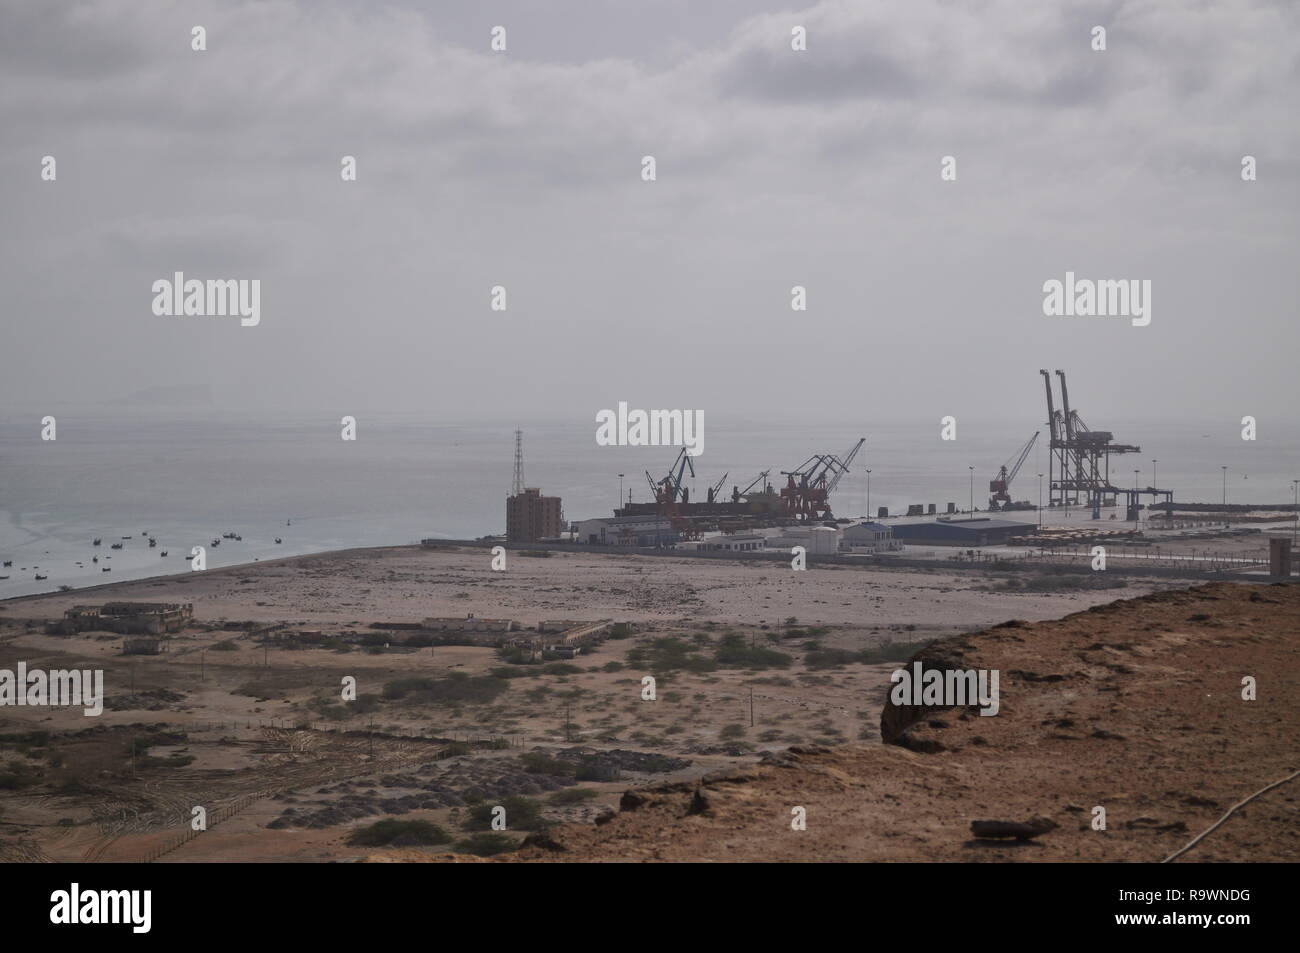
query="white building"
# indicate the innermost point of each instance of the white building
(626, 531)
(817, 540)
(869, 538)
(726, 543)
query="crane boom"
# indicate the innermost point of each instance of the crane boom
(1023, 454)
(844, 465)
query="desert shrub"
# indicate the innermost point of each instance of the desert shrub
(522, 814)
(670, 654)
(486, 844)
(573, 795)
(734, 652)
(456, 688)
(391, 832)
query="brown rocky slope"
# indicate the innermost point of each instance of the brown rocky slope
(1135, 706)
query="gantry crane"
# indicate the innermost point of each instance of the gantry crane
(1001, 484)
(1078, 467)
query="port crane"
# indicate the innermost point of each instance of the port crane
(808, 488)
(717, 487)
(671, 494)
(1000, 485)
(737, 494)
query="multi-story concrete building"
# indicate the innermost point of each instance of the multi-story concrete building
(531, 517)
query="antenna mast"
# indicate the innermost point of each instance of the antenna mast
(519, 463)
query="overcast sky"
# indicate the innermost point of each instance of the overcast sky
(775, 168)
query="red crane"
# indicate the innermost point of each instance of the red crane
(1001, 484)
(807, 492)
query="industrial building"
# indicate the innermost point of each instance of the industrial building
(816, 540)
(868, 538)
(727, 543)
(627, 531)
(980, 531)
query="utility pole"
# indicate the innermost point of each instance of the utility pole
(751, 707)
(1295, 513)
(620, 491)
(972, 491)
(1225, 485)
(1040, 501)
(869, 494)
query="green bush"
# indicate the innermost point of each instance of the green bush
(536, 762)
(522, 814)
(486, 844)
(456, 688)
(391, 832)
(734, 652)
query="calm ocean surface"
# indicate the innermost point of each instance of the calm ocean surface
(186, 478)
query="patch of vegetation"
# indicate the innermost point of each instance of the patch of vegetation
(226, 645)
(168, 761)
(561, 668)
(670, 654)
(391, 832)
(486, 844)
(735, 652)
(456, 688)
(522, 814)
(573, 795)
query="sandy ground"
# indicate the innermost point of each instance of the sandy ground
(291, 773)
(406, 584)
(1136, 708)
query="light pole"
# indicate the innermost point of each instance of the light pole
(1225, 485)
(868, 494)
(972, 491)
(1154, 483)
(620, 491)
(1295, 513)
(1040, 501)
